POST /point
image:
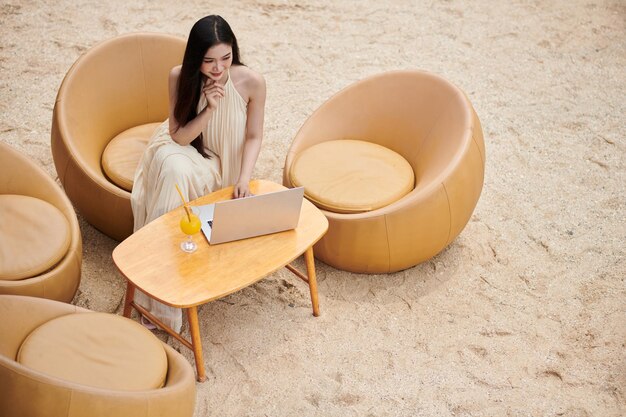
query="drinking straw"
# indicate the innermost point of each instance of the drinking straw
(184, 202)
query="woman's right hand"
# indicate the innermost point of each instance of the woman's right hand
(213, 91)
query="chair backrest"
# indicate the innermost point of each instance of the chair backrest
(20, 175)
(423, 117)
(118, 84)
(22, 315)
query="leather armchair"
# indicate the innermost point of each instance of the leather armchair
(117, 85)
(432, 124)
(19, 175)
(28, 392)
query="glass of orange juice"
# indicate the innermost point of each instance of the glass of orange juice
(190, 225)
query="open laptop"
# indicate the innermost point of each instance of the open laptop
(257, 215)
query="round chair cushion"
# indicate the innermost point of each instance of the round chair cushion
(122, 155)
(35, 236)
(352, 176)
(96, 349)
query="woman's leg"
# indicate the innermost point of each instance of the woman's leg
(174, 165)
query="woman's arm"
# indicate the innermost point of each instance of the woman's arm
(254, 134)
(184, 135)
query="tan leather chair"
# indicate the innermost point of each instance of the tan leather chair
(20, 176)
(116, 86)
(432, 124)
(29, 392)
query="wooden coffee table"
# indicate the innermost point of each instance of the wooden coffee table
(151, 260)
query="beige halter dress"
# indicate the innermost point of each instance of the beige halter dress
(165, 163)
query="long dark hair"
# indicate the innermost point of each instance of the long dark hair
(205, 33)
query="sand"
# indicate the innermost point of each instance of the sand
(524, 314)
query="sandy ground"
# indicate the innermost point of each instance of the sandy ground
(524, 314)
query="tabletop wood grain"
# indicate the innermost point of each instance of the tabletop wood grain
(152, 259)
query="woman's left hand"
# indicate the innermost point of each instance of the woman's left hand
(242, 189)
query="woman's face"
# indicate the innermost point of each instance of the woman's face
(217, 60)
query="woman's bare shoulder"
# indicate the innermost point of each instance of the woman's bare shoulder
(173, 82)
(247, 79)
(175, 72)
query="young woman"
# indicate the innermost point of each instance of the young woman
(211, 139)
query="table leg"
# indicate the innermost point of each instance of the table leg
(310, 269)
(194, 329)
(130, 295)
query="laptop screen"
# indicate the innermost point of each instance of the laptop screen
(257, 215)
